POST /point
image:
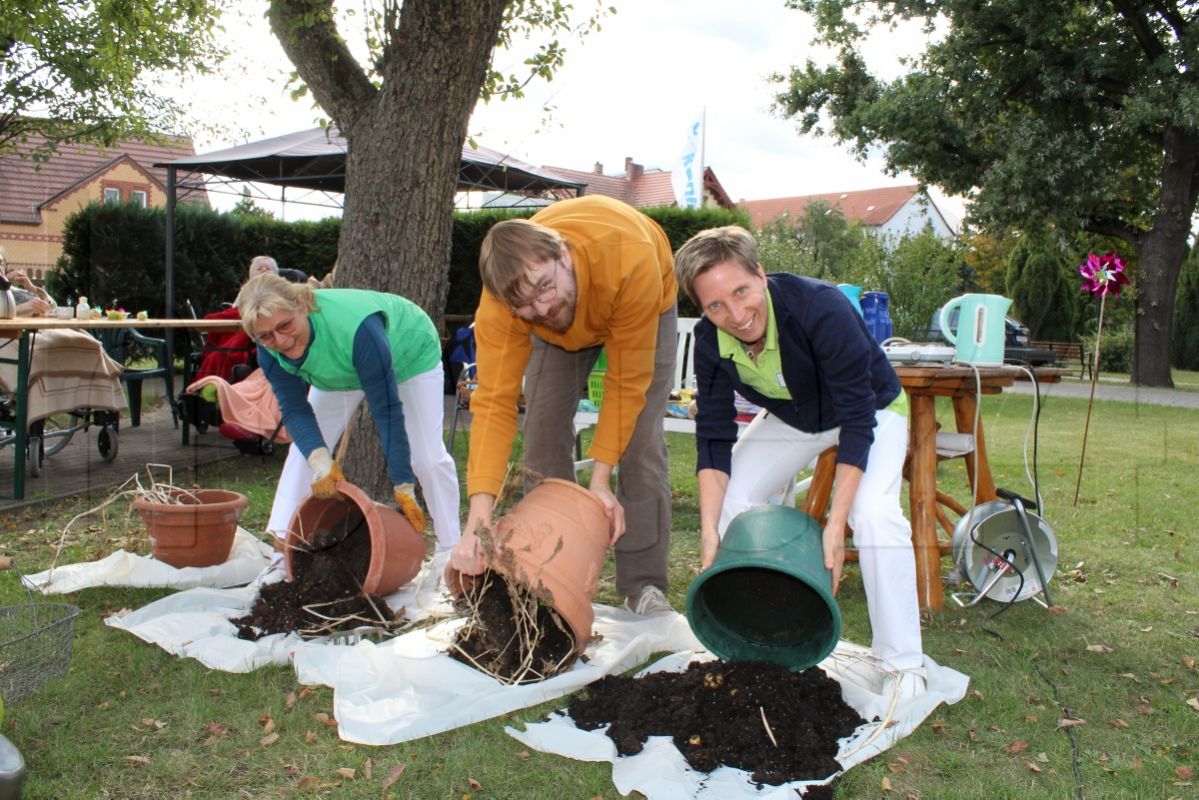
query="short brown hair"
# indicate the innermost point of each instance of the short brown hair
(714, 246)
(269, 294)
(510, 249)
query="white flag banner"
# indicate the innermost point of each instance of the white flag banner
(687, 177)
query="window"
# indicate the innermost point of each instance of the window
(138, 197)
(112, 194)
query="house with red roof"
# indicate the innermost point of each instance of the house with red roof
(640, 187)
(888, 212)
(36, 197)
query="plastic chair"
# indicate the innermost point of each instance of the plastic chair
(464, 355)
(126, 344)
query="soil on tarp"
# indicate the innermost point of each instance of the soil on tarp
(714, 713)
(326, 583)
(512, 647)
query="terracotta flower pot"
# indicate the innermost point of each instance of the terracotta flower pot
(397, 550)
(196, 532)
(553, 543)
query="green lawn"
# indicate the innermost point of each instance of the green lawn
(131, 721)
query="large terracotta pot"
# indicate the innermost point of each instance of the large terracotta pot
(196, 532)
(553, 543)
(397, 550)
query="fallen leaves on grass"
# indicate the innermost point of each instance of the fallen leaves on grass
(1070, 722)
(347, 772)
(138, 760)
(394, 774)
(1099, 648)
(1188, 662)
(1016, 747)
(1185, 773)
(269, 739)
(1193, 703)
(1117, 723)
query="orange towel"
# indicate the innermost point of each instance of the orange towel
(250, 403)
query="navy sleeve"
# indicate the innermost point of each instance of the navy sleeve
(292, 393)
(716, 412)
(842, 349)
(372, 360)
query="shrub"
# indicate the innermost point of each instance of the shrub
(1115, 350)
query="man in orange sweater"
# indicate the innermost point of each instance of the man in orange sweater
(579, 276)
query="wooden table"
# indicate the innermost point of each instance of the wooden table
(25, 329)
(924, 384)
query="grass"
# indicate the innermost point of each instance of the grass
(131, 721)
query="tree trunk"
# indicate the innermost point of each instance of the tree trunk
(405, 145)
(1163, 248)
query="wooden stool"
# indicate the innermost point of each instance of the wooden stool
(816, 502)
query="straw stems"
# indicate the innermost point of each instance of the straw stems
(527, 634)
(156, 491)
(766, 725)
(1094, 378)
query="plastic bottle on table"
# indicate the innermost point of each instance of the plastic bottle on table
(82, 309)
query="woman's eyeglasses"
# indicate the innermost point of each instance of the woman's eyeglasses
(285, 328)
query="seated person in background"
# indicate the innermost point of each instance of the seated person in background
(260, 265)
(32, 300)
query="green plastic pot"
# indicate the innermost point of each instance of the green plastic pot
(767, 595)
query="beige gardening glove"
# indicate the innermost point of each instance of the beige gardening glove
(405, 494)
(325, 474)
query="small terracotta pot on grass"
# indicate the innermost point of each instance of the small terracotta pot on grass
(197, 531)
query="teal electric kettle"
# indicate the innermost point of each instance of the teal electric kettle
(979, 335)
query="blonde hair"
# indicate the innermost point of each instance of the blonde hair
(268, 294)
(510, 250)
(714, 246)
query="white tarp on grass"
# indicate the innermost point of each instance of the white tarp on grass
(246, 561)
(661, 773)
(197, 623)
(408, 687)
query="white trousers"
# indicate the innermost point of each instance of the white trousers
(767, 457)
(424, 414)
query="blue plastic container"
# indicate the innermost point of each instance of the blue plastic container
(876, 313)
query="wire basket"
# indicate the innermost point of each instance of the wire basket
(35, 645)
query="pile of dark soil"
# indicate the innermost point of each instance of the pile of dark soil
(326, 582)
(714, 714)
(496, 638)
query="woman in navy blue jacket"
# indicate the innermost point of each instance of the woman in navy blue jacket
(797, 347)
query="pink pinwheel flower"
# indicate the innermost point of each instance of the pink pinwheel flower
(1103, 275)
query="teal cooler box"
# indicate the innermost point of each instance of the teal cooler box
(767, 595)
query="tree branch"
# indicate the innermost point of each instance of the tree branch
(306, 30)
(1114, 227)
(1169, 12)
(1140, 29)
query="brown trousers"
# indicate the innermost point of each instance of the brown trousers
(554, 381)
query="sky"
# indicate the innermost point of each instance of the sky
(628, 90)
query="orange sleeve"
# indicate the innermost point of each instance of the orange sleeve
(502, 349)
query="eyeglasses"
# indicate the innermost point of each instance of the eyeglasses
(287, 327)
(542, 293)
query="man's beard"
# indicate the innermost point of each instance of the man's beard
(560, 318)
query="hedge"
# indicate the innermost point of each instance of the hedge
(113, 253)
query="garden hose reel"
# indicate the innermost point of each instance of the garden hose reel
(1005, 551)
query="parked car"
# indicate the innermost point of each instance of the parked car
(1017, 345)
